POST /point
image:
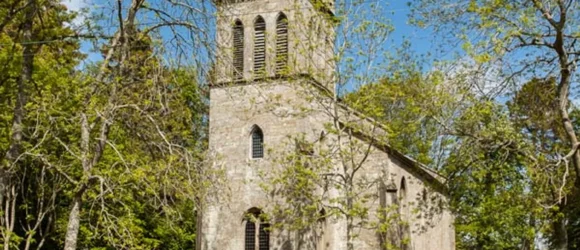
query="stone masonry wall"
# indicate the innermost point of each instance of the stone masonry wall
(281, 109)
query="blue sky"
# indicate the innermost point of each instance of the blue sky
(395, 10)
(420, 39)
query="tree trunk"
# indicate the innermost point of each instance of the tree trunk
(25, 77)
(10, 217)
(349, 236)
(74, 221)
(563, 92)
(349, 219)
(7, 198)
(560, 233)
(72, 229)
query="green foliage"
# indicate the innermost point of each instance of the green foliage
(53, 65)
(297, 184)
(531, 42)
(143, 190)
(487, 174)
(534, 111)
(483, 154)
(398, 103)
(150, 171)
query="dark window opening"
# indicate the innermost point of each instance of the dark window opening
(250, 241)
(264, 236)
(281, 44)
(255, 220)
(257, 143)
(405, 230)
(238, 50)
(403, 190)
(259, 46)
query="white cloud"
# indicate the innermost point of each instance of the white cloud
(77, 6)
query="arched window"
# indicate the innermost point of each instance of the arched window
(387, 198)
(403, 190)
(281, 44)
(259, 46)
(405, 229)
(403, 204)
(257, 143)
(255, 219)
(250, 238)
(264, 236)
(238, 50)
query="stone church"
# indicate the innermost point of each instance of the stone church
(274, 83)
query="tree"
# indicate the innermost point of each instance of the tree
(534, 110)
(488, 171)
(474, 145)
(527, 39)
(100, 155)
(398, 102)
(138, 150)
(32, 73)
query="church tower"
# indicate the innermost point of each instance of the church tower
(265, 48)
(264, 39)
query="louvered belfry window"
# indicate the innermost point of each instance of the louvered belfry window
(259, 46)
(238, 50)
(257, 143)
(264, 236)
(250, 238)
(281, 44)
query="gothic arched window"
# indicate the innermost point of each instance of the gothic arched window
(403, 204)
(405, 216)
(257, 143)
(264, 236)
(255, 219)
(238, 50)
(250, 238)
(281, 44)
(403, 190)
(259, 46)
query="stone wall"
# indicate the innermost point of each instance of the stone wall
(286, 108)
